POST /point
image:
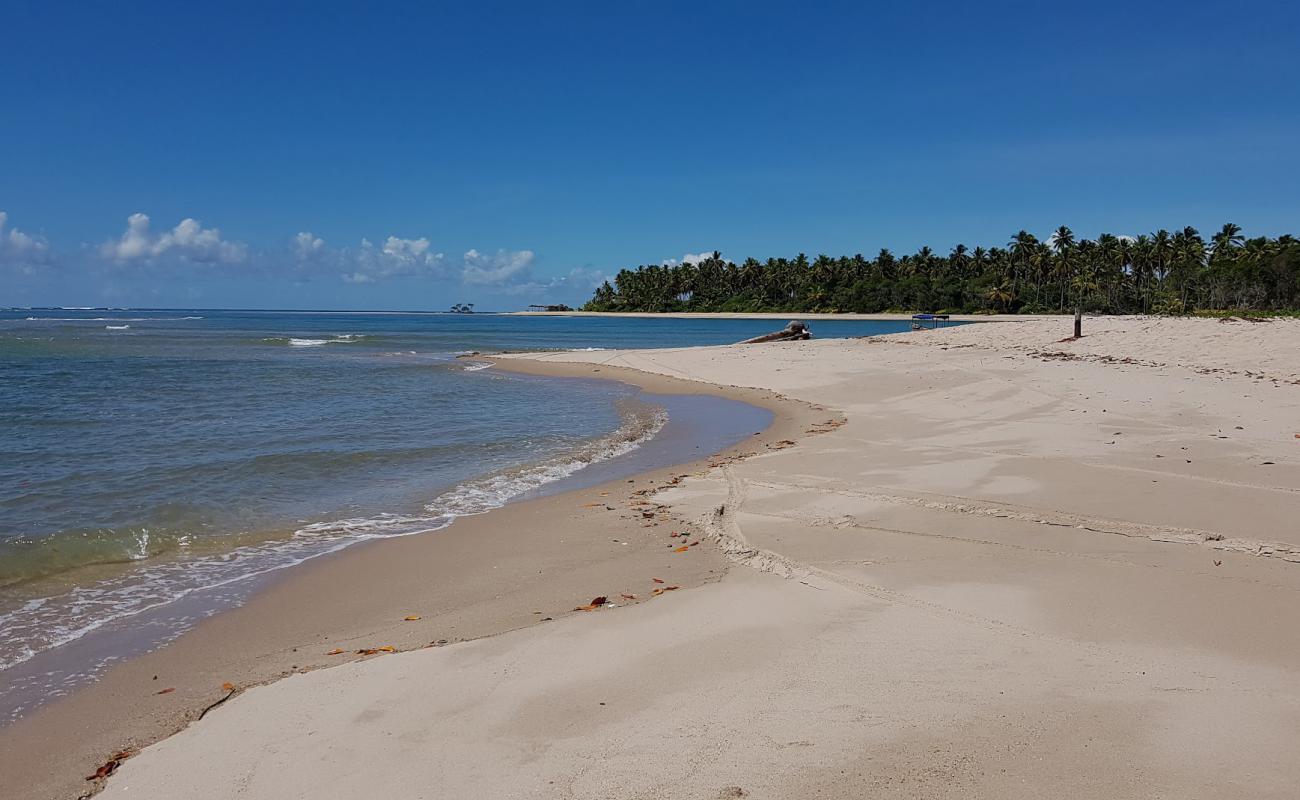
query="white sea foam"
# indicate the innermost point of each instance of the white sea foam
(340, 338)
(116, 327)
(476, 366)
(45, 623)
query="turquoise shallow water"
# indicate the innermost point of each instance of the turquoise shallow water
(152, 457)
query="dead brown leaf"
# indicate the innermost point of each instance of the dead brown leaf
(110, 766)
(168, 690)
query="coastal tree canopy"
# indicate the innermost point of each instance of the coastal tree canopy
(1161, 272)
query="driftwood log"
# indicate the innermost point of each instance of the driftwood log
(793, 331)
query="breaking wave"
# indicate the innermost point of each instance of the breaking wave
(338, 338)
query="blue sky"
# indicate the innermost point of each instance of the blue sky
(368, 156)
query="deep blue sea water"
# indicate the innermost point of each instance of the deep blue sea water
(150, 455)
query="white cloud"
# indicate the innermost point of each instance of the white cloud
(396, 258)
(189, 240)
(23, 252)
(691, 258)
(308, 256)
(579, 280)
(505, 267)
(307, 245)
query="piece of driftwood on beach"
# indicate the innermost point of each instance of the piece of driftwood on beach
(793, 331)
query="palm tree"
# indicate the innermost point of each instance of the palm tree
(1162, 251)
(1024, 249)
(1062, 243)
(1000, 295)
(1228, 237)
(1165, 271)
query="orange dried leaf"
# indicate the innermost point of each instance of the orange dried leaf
(628, 596)
(682, 549)
(338, 651)
(411, 617)
(229, 687)
(586, 608)
(110, 766)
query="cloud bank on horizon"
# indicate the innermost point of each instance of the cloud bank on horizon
(189, 250)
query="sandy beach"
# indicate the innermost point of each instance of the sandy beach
(974, 562)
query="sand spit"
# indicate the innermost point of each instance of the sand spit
(998, 565)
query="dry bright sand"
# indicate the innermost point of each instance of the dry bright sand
(1022, 568)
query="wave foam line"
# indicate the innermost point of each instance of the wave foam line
(49, 622)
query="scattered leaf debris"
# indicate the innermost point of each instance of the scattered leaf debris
(110, 766)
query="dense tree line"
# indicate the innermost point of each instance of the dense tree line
(1166, 273)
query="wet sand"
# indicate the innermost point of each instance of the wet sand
(527, 564)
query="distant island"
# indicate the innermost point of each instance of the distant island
(1162, 272)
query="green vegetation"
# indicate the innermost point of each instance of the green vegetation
(1162, 273)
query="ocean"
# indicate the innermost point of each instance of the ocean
(155, 464)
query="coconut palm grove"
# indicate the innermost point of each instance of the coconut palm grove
(1162, 272)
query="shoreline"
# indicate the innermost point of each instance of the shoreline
(1022, 567)
(882, 317)
(359, 597)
